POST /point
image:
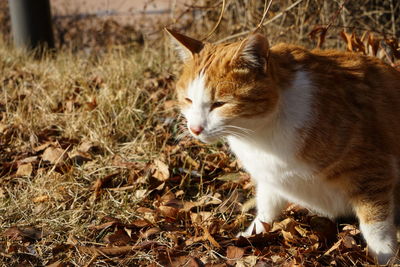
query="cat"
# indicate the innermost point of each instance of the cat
(317, 128)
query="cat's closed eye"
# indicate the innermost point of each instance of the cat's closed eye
(217, 105)
(188, 100)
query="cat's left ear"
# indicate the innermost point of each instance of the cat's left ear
(253, 52)
(185, 45)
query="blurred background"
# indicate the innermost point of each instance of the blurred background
(96, 24)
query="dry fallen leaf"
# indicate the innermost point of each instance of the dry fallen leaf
(40, 199)
(186, 261)
(25, 170)
(141, 223)
(53, 155)
(119, 238)
(150, 232)
(234, 254)
(102, 183)
(56, 264)
(26, 233)
(161, 171)
(324, 228)
(247, 261)
(109, 251)
(349, 242)
(168, 211)
(43, 146)
(79, 157)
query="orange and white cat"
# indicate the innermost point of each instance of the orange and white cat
(317, 128)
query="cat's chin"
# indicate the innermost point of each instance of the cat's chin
(207, 139)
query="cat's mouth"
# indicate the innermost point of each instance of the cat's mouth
(207, 137)
(210, 136)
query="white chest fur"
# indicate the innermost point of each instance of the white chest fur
(290, 179)
(270, 156)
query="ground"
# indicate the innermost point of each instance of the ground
(96, 168)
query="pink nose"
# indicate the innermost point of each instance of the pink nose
(196, 130)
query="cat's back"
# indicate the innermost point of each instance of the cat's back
(338, 65)
(354, 96)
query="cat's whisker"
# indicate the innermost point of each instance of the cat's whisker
(236, 134)
(240, 128)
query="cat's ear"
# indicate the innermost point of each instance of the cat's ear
(185, 45)
(252, 53)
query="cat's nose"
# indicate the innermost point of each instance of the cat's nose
(196, 130)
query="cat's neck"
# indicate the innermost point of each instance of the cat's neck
(293, 115)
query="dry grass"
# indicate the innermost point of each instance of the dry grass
(50, 101)
(90, 160)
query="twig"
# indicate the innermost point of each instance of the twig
(266, 9)
(322, 30)
(334, 18)
(383, 33)
(218, 22)
(265, 23)
(201, 7)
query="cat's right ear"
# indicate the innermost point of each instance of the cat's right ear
(185, 45)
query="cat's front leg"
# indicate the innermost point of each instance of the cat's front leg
(378, 229)
(269, 205)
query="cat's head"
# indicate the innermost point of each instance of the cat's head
(225, 89)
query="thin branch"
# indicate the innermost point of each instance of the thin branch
(265, 23)
(218, 22)
(266, 9)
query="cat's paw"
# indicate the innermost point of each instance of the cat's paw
(256, 227)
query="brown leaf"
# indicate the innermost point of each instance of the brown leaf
(103, 226)
(288, 236)
(161, 171)
(28, 160)
(303, 232)
(354, 43)
(210, 238)
(349, 242)
(91, 105)
(150, 232)
(109, 251)
(3, 127)
(40, 199)
(319, 33)
(56, 264)
(119, 238)
(27, 233)
(200, 217)
(168, 211)
(25, 170)
(101, 183)
(394, 46)
(144, 210)
(53, 154)
(170, 104)
(347, 38)
(79, 157)
(186, 261)
(141, 223)
(286, 225)
(351, 229)
(374, 43)
(324, 228)
(42, 146)
(233, 254)
(89, 147)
